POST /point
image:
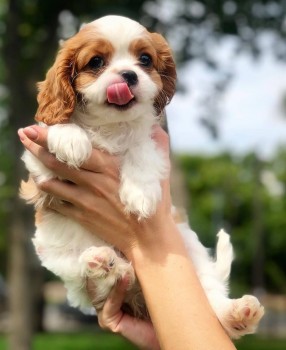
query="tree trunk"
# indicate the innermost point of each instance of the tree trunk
(20, 303)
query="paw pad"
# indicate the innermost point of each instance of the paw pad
(245, 315)
(97, 262)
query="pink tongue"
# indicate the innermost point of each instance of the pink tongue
(119, 94)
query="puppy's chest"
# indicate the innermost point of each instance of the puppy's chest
(117, 142)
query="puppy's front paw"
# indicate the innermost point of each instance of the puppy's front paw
(140, 199)
(243, 316)
(69, 143)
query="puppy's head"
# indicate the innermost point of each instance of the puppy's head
(112, 70)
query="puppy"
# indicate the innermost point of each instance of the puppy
(107, 89)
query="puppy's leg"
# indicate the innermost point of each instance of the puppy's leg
(142, 170)
(238, 316)
(104, 268)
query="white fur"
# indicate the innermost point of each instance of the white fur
(72, 252)
(69, 143)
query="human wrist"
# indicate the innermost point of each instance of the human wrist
(155, 242)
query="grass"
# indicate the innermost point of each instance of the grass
(106, 341)
(260, 343)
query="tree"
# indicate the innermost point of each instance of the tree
(195, 28)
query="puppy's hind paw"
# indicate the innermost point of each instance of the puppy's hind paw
(243, 316)
(97, 262)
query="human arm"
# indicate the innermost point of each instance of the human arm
(179, 309)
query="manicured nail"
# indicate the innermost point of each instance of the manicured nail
(31, 133)
(21, 135)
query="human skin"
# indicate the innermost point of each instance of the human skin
(180, 312)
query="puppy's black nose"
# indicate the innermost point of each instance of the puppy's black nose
(130, 77)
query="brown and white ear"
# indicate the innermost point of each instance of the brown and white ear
(56, 97)
(167, 69)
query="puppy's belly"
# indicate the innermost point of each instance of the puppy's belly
(59, 241)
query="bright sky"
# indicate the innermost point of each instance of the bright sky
(250, 109)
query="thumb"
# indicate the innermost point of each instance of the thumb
(36, 134)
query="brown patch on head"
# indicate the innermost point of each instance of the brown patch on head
(97, 49)
(163, 69)
(145, 46)
(167, 69)
(58, 92)
(56, 96)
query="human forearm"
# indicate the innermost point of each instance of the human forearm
(179, 309)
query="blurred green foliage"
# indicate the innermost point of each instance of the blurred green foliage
(106, 341)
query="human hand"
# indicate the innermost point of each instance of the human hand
(112, 318)
(91, 195)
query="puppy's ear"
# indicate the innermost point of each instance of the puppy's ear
(56, 97)
(167, 70)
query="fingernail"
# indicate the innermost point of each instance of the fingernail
(21, 135)
(31, 133)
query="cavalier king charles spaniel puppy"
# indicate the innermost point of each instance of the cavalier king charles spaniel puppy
(107, 88)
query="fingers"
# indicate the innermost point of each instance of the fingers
(102, 162)
(29, 144)
(36, 134)
(112, 318)
(62, 190)
(111, 315)
(90, 188)
(115, 299)
(50, 161)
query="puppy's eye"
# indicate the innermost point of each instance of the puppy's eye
(96, 62)
(145, 60)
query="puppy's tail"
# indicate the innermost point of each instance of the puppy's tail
(224, 255)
